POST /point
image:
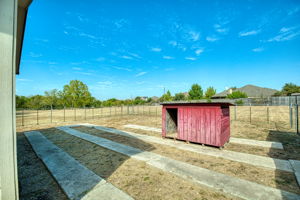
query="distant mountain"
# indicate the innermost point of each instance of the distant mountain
(252, 91)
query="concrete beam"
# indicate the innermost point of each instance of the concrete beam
(235, 186)
(259, 161)
(77, 181)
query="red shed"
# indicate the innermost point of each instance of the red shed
(205, 123)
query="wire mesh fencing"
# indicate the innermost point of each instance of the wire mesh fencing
(284, 118)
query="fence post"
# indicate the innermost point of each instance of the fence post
(291, 115)
(51, 115)
(127, 109)
(93, 113)
(110, 111)
(23, 117)
(64, 113)
(250, 113)
(75, 113)
(122, 110)
(297, 118)
(268, 114)
(235, 112)
(143, 110)
(37, 116)
(149, 111)
(115, 110)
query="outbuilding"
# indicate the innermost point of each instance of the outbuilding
(201, 122)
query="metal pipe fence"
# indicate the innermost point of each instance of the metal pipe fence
(279, 117)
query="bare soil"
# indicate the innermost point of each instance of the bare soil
(132, 176)
(277, 179)
(35, 181)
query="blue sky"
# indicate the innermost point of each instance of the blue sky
(126, 48)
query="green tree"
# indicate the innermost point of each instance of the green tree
(195, 92)
(166, 97)
(51, 98)
(179, 97)
(21, 101)
(210, 91)
(77, 94)
(290, 88)
(237, 95)
(35, 102)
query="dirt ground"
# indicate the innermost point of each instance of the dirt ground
(278, 179)
(35, 182)
(132, 176)
(142, 181)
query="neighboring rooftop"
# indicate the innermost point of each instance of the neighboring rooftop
(252, 91)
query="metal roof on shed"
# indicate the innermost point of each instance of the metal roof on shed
(220, 101)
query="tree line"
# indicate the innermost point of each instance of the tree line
(76, 95)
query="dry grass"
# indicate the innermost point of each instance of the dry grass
(134, 177)
(140, 180)
(278, 179)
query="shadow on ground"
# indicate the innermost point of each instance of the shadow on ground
(291, 145)
(36, 181)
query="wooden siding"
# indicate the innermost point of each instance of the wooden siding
(204, 123)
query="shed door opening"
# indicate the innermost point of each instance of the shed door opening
(171, 122)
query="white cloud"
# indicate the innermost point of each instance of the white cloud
(127, 57)
(23, 79)
(88, 35)
(285, 34)
(35, 55)
(100, 59)
(66, 32)
(211, 38)
(41, 40)
(169, 69)
(284, 29)
(76, 68)
(173, 43)
(140, 74)
(122, 68)
(199, 51)
(222, 30)
(259, 49)
(135, 55)
(156, 49)
(168, 57)
(84, 73)
(52, 63)
(247, 33)
(190, 58)
(106, 83)
(177, 45)
(195, 36)
(140, 82)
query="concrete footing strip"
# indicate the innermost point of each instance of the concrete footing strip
(296, 167)
(77, 181)
(231, 185)
(267, 144)
(259, 161)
